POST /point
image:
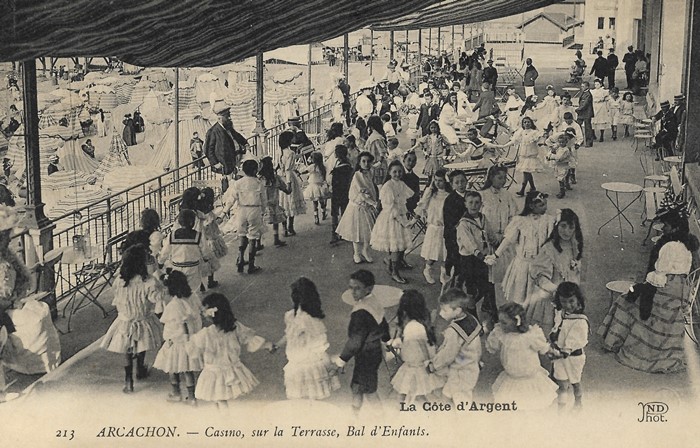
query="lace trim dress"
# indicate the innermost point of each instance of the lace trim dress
(309, 372)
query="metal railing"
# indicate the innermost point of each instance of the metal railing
(120, 212)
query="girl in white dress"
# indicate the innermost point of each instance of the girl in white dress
(417, 346)
(391, 233)
(615, 108)
(181, 319)
(559, 261)
(292, 203)
(309, 372)
(136, 330)
(546, 111)
(519, 345)
(433, 146)
(527, 232)
(431, 208)
(627, 112)
(528, 152)
(448, 119)
(512, 108)
(499, 208)
(224, 377)
(317, 190)
(356, 223)
(569, 337)
(601, 112)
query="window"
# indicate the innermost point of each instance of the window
(601, 23)
(612, 23)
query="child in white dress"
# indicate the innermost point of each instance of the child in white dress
(527, 232)
(391, 233)
(457, 359)
(213, 238)
(224, 377)
(615, 109)
(417, 347)
(136, 330)
(181, 319)
(519, 345)
(528, 152)
(357, 221)
(559, 156)
(569, 337)
(627, 112)
(317, 190)
(431, 208)
(309, 372)
(150, 224)
(499, 208)
(293, 203)
(433, 146)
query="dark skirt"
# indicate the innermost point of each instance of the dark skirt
(364, 375)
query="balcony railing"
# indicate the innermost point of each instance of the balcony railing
(121, 211)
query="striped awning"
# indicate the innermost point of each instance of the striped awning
(183, 33)
(459, 12)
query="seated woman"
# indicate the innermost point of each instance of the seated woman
(645, 326)
(14, 282)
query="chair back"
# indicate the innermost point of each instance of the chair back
(676, 182)
(112, 243)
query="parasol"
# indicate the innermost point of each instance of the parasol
(118, 156)
(286, 75)
(79, 197)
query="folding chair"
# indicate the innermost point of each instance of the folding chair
(88, 277)
(419, 228)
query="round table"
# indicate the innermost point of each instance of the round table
(616, 189)
(618, 286)
(462, 165)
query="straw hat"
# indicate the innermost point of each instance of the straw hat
(8, 218)
(221, 108)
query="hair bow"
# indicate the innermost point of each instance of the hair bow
(556, 221)
(517, 320)
(210, 312)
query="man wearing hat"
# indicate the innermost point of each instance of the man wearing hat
(392, 76)
(665, 139)
(490, 74)
(223, 144)
(678, 109)
(300, 140)
(529, 78)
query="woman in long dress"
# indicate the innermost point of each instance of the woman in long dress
(601, 113)
(448, 119)
(129, 132)
(645, 327)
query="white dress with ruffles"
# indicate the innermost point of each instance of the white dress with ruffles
(136, 327)
(523, 379)
(309, 372)
(412, 379)
(390, 233)
(181, 319)
(224, 376)
(431, 206)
